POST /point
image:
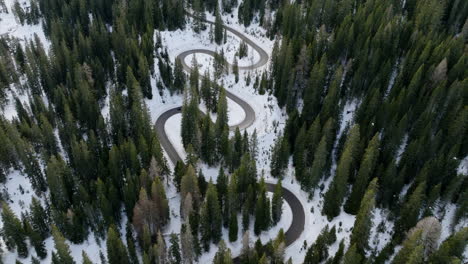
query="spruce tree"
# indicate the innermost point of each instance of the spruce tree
(363, 223)
(365, 171)
(233, 227)
(337, 190)
(179, 77)
(116, 250)
(277, 203)
(13, 233)
(313, 175)
(409, 213)
(235, 69)
(86, 259)
(262, 210)
(174, 249)
(211, 218)
(62, 250)
(218, 31)
(352, 256)
(221, 125)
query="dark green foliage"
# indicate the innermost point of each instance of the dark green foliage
(62, 250)
(335, 195)
(116, 250)
(13, 233)
(277, 203)
(210, 218)
(318, 251)
(279, 157)
(262, 210)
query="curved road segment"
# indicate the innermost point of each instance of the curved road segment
(297, 225)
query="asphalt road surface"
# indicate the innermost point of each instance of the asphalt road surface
(297, 225)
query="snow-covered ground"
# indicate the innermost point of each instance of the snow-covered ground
(10, 26)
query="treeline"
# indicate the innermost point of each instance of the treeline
(403, 64)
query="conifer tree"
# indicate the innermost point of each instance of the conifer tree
(179, 77)
(211, 219)
(277, 203)
(313, 175)
(62, 250)
(233, 227)
(335, 194)
(279, 157)
(116, 250)
(218, 31)
(221, 125)
(189, 184)
(186, 241)
(450, 249)
(223, 256)
(262, 210)
(160, 249)
(222, 188)
(39, 218)
(365, 171)
(363, 223)
(235, 69)
(86, 259)
(13, 232)
(352, 256)
(409, 213)
(174, 249)
(194, 76)
(160, 203)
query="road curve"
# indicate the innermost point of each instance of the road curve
(298, 222)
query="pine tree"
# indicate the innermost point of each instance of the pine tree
(161, 253)
(335, 194)
(194, 76)
(39, 218)
(60, 181)
(223, 256)
(363, 223)
(313, 176)
(365, 171)
(452, 248)
(62, 250)
(262, 210)
(222, 188)
(174, 249)
(277, 203)
(160, 203)
(211, 219)
(189, 184)
(186, 241)
(116, 250)
(410, 211)
(13, 232)
(206, 92)
(233, 228)
(352, 256)
(235, 69)
(408, 247)
(279, 157)
(190, 129)
(221, 125)
(218, 31)
(86, 259)
(179, 77)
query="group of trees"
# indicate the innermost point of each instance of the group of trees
(402, 65)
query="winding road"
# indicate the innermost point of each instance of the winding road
(298, 221)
